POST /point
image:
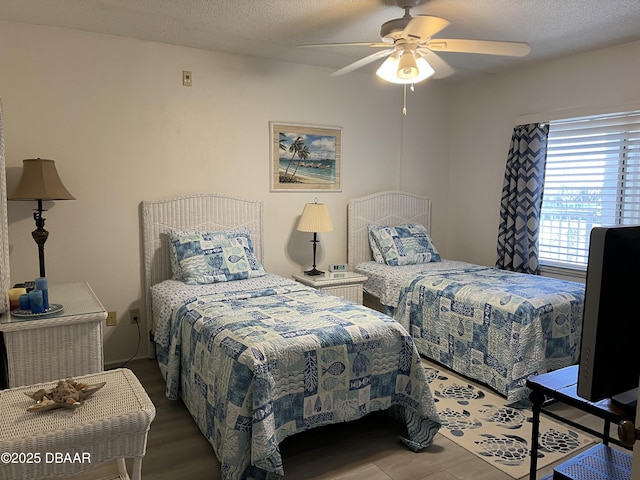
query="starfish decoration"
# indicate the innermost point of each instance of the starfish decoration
(67, 394)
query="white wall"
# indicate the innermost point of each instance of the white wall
(484, 112)
(113, 114)
(424, 169)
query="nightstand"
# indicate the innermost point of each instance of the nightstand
(56, 346)
(347, 285)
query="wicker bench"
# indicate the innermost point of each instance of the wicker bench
(112, 424)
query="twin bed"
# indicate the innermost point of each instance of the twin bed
(257, 357)
(493, 326)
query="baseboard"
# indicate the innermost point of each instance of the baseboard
(123, 362)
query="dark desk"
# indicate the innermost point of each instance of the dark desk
(561, 385)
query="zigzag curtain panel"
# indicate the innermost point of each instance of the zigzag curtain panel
(521, 200)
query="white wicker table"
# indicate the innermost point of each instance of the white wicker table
(112, 424)
(68, 343)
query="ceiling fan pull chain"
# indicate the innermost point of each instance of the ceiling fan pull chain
(404, 100)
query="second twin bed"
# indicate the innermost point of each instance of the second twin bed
(493, 326)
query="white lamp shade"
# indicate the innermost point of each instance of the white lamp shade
(393, 67)
(407, 67)
(315, 218)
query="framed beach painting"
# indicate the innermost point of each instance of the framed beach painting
(305, 157)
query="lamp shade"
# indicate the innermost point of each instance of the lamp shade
(40, 181)
(405, 70)
(315, 218)
(407, 66)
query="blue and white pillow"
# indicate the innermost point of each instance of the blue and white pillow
(209, 257)
(407, 244)
(375, 250)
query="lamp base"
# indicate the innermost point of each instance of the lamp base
(40, 235)
(313, 271)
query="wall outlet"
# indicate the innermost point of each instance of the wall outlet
(112, 319)
(134, 315)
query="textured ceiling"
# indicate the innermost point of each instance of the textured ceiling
(272, 28)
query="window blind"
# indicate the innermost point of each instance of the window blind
(592, 178)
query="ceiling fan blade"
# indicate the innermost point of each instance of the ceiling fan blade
(350, 44)
(363, 61)
(442, 68)
(423, 27)
(509, 49)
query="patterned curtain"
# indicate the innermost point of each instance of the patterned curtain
(522, 199)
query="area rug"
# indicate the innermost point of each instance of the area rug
(478, 419)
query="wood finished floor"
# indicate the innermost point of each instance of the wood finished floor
(366, 449)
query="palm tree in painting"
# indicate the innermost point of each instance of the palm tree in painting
(294, 148)
(303, 154)
(281, 141)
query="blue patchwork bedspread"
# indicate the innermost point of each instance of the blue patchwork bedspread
(494, 326)
(256, 367)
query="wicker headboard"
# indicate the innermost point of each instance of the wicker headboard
(198, 211)
(383, 208)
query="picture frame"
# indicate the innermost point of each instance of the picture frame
(305, 158)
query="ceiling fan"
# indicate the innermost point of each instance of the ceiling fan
(408, 39)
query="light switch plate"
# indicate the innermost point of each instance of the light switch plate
(186, 78)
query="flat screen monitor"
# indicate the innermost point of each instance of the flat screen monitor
(610, 347)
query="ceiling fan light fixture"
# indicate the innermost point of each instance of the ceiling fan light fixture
(424, 68)
(389, 70)
(407, 67)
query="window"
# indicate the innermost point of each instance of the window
(592, 178)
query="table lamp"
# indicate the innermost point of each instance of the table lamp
(40, 181)
(315, 218)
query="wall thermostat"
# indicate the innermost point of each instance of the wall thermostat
(338, 267)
